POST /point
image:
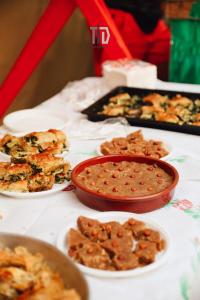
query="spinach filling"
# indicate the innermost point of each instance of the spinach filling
(31, 139)
(36, 169)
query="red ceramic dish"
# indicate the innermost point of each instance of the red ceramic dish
(137, 204)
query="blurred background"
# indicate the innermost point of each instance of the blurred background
(71, 56)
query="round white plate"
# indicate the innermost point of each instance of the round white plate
(28, 120)
(56, 188)
(165, 145)
(120, 217)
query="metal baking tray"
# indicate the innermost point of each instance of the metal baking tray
(93, 110)
(58, 262)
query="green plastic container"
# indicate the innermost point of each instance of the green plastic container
(185, 48)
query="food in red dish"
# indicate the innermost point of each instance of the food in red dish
(120, 248)
(125, 178)
(92, 197)
(134, 144)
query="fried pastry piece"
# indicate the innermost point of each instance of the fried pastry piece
(42, 140)
(21, 151)
(3, 169)
(8, 142)
(196, 123)
(16, 172)
(18, 186)
(166, 117)
(46, 163)
(148, 112)
(126, 261)
(48, 286)
(47, 139)
(179, 100)
(55, 149)
(17, 278)
(52, 291)
(146, 252)
(120, 97)
(8, 258)
(63, 174)
(60, 137)
(32, 280)
(155, 99)
(40, 182)
(7, 292)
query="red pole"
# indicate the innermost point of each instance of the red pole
(44, 34)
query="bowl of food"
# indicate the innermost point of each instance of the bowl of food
(114, 244)
(33, 269)
(126, 183)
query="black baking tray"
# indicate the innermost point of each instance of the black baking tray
(92, 110)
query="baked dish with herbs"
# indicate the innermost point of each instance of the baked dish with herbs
(38, 172)
(178, 109)
(113, 246)
(134, 144)
(52, 141)
(24, 275)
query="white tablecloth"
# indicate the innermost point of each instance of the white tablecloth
(44, 218)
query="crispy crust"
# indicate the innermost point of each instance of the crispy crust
(18, 186)
(46, 163)
(3, 169)
(40, 182)
(33, 143)
(30, 278)
(7, 142)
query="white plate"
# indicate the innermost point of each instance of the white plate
(165, 145)
(28, 120)
(120, 217)
(56, 188)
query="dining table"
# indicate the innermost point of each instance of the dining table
(46, 217)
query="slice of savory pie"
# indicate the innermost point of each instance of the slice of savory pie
(40, 182)
(18, 186)
(8, 142)
(16, 172)
(54, 141)
(47, 164)
(46, 140)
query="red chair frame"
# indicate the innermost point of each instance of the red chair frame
(50, 24)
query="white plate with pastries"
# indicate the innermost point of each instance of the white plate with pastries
(53, 140)
(31, 195)
(120, 217)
